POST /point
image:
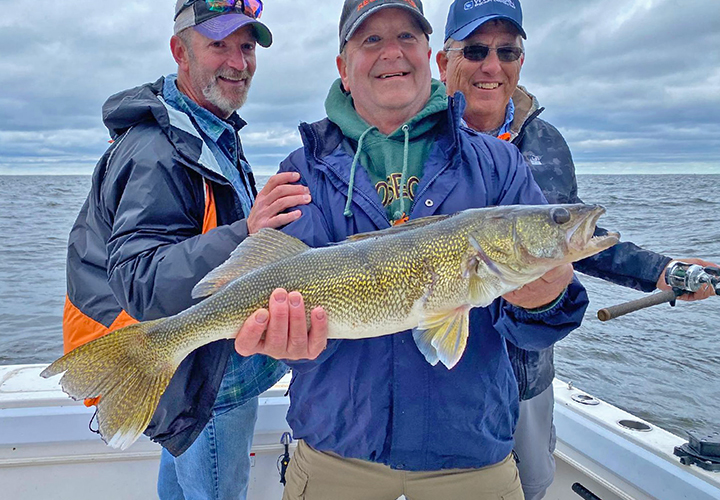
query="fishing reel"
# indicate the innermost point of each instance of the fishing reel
(686, 278)
(682, 277)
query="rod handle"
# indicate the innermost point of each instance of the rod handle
(613, 312)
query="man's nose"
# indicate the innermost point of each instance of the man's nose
(391, 50)
(237, 60)
(491, 64)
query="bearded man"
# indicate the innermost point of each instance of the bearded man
(170, 200)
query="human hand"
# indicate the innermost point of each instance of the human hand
(543, 290)
(281, 332)
(705, 290)
(275, 197)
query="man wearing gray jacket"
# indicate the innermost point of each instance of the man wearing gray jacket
(170, 200)
(482, 58)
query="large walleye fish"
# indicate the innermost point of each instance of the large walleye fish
(426, 274)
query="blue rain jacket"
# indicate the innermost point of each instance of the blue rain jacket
(378, 399)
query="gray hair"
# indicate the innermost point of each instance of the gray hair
(186, 37)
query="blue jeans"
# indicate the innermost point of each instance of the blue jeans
(217, 464)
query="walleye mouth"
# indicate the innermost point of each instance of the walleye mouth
(580, 240)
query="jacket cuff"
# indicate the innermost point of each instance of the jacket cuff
(540, 313)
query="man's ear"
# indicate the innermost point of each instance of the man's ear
(442, 62)
(342, 70)
(179, 52)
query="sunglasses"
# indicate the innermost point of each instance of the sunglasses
(479, 52)
(251, 8)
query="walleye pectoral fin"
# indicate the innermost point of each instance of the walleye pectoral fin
(483, 290)
(423, 341)
(256, 251)
(411, 224)
(443, 336)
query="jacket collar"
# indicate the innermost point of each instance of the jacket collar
(527, 108)
(126, 109)
(321, 138)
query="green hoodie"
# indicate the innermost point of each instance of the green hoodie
(391, 160)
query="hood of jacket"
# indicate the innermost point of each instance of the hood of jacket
(128, 108)
(404, 150)
(340, 110)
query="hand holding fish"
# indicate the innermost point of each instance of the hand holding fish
(543, 290)
(277, 196)
(282, 331)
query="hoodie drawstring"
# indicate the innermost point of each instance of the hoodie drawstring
(348, 212)
(403, 178)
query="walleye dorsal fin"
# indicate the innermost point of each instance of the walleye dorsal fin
(407, 226)
(443, 336)
(256, 251)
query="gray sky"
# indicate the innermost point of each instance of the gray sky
(633, 85)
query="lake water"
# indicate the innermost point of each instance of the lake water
(661, 363)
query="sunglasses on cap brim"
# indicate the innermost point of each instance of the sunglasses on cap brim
(251, 8)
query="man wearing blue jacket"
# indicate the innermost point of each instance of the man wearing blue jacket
(482, 57)
(374, 419)
(170, 200)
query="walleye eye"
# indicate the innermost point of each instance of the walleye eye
(560, 215)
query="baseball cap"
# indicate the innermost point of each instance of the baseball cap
(355, 12)
(466, 16)
(219, 19)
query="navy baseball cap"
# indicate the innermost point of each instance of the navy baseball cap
(466, 16)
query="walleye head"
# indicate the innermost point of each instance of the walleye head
(518, 240)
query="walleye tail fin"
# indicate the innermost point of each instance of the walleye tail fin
(443, 337)
(119, 369)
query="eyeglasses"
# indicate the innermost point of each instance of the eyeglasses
(251, 8)
(479, 52)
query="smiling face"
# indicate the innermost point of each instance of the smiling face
(487, 85)
(215, 74)
(386, 68)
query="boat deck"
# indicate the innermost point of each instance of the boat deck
(48, 451)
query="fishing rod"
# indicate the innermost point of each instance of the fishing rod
(682, 277)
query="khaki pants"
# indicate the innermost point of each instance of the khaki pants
(315, 475)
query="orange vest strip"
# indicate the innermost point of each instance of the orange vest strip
(79, 329)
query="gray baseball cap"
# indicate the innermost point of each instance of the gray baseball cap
(355, 12)
(217, 25)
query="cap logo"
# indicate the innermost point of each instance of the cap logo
(365, 3)
(477, 3)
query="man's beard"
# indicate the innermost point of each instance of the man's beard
(227, 103)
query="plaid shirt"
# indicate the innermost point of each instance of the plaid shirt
(244, 378)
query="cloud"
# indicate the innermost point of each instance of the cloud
(627, 82)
